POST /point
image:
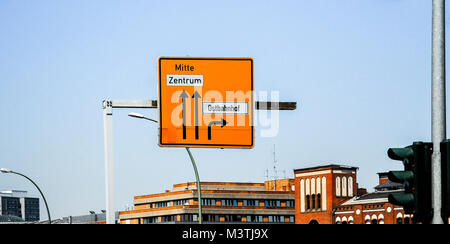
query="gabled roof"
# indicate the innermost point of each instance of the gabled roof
(389, 185)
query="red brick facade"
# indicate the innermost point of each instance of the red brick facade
(330, 195)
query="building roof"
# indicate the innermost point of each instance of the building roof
(389, 185)
(13, 193)
(332, 166)
(373, 197)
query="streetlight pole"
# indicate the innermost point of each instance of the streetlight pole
(197, 177)
(199, 188)
(8, 171)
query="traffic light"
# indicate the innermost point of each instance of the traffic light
(416, 180)
(445, 177)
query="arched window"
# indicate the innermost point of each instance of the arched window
(344, 220)
(308, 203)
(313, 186)
(324, 193)
(338, 186)
(319, 201)
(344, 186)
(308, 187)
(318, 185)
(350, 186)
(367, 220)
(313, 193)
(313, 222)
(313, 201)
(308, 194)
(374, 220)
(380, 219)
(350, 220)
(318, 193)
(399, 218)
(302, 196)
(406, 220)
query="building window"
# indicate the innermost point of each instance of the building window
(350, 186)
(184, 202)
(313, 201)
(308, 203)
(338, 186)
(319, 201)
(160, 204)
(324, 193)
(406, 221)
(302, 196)
(344, 186)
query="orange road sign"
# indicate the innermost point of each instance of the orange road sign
(206, 102)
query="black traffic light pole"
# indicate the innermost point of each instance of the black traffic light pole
(445, 164)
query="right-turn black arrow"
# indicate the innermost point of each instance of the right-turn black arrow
(222, 123)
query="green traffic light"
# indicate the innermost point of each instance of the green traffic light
(400, 153)
(401, 176)
(401, 199)
(416, 179)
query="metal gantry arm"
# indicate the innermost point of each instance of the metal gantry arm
(109, 105)
(154, 104)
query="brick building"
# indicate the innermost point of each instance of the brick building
(330, 195)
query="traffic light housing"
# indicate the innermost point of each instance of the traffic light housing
(445, 178)
(416, 180)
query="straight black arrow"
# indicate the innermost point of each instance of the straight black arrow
(222, 123)
(183, 96)
(196, 96)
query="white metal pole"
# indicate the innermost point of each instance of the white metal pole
(438, 104)
(109, 162)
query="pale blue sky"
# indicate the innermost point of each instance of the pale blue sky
(360, 71)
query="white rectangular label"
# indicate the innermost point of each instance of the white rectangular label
(184, 80)
(225, 107)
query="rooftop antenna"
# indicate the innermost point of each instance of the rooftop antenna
(274, 177)
(267, 175)
(275, 172)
